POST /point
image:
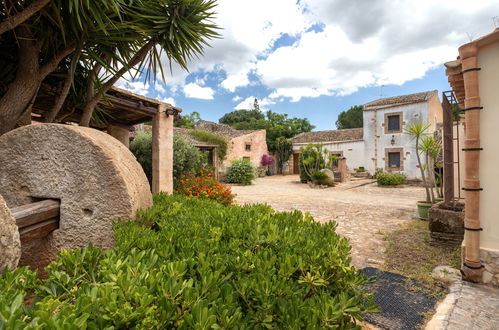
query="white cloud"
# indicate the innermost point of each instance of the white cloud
(136, 87)
(248, 103)
(159, 87)
(195, 91)
(360, 43)
(236, 98)
(169, 100)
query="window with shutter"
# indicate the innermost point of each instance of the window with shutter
(394, 123)
(394, 159)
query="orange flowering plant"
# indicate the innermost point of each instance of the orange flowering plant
(204, 186)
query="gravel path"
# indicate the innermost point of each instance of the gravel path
(364, 212)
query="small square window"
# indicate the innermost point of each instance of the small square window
(248, 147)
(394, 123)
(394, 159)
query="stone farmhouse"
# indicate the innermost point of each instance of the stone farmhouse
(381, 142)
(245, 144)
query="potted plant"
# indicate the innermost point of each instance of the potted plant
(418, 132)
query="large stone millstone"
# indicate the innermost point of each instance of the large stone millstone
(10, 245)
(96, 178)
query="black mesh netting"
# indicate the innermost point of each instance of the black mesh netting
(401, 304)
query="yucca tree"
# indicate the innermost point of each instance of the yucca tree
(35, 46)
(431, 148)
(179, 28)
(417, 131)
(103, 39)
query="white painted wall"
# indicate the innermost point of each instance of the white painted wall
(375, 137)
(353, 151)
(488, 82)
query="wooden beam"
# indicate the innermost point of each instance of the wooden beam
(30, 214)
(132, 106)
(37, 220)
(39, 230)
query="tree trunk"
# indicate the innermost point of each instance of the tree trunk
(60, 99)
(418, 156)
(25, 85)
(13, 21)
(28, 78)
(91, 104)
(430, 178)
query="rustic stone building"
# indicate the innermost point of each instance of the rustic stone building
(381, 142)
(246, 144)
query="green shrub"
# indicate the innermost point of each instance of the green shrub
(191, 263)
(240, 171)
(390, 179)
(321, 178)
(312, 158)
(211, 138)
(186, 158)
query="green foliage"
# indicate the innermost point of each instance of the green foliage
(321, 178)
(195, 264)
(240, 171)
(186, 158)
(284, 150)
(211, 138)
(351, 118)
(106, 35)
(188, 121)
(238, 116)
(277, 125)
(312, 158)
(390, 179)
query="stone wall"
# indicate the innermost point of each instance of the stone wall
(237, 148)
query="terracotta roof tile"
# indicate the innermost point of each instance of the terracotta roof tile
(338, 135)
(400, 100)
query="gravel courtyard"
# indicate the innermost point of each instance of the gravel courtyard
(364, 212)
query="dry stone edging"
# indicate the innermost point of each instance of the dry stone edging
(96, 178)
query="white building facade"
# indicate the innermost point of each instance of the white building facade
(382, 142)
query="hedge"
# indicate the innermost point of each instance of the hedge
(191, 263)
(390, 179)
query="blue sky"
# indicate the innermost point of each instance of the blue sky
(316, 58)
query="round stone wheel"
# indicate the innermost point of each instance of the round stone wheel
(96, 178)
(10, 245)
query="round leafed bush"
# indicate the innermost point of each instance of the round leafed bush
(195, 264)
(390, 179)
(240, 171)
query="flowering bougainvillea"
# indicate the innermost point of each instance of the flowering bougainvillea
(204, 186)
(267, 160)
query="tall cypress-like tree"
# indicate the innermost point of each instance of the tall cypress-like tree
(351, 118)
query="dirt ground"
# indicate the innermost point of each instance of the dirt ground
(364, 212)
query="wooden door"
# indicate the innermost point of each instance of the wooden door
(296, 169)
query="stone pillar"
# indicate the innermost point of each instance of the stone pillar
(120, 133)
(343, 169)
(162, 152)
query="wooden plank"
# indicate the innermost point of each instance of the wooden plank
(31, 214)
(133, 106)
(38, 230)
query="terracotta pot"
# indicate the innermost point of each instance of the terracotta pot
(423, 208)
